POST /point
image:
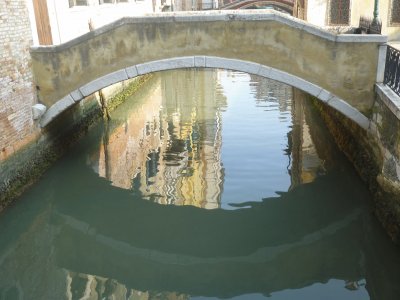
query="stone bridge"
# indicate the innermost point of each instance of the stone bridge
(285, 5)
(340, 70)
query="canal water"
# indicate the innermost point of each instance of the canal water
(205, 184)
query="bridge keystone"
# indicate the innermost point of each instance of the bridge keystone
(200, 61)
(77, 95)
(165, 64)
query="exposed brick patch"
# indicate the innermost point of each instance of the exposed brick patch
(17, 93)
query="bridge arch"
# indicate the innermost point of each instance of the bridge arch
(339, 69)
(206, 62)
(283, 5)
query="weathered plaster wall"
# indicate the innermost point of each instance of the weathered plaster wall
(17, 94)
(344, 65)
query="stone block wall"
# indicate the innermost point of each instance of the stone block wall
(17, 93)
(375, 154)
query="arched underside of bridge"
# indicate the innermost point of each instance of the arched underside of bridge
(206, 62)
(284, 5)
(340, 70)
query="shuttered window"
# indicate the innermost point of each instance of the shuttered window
(42, 22)
(395, 13)
(339, 12)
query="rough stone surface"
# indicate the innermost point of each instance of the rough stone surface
(103, 82)
(374, 156)
(225, 63)
(349, 112)
(386, 120)
(56, 109)
(25, 166)
(77, 95)
(200, 61)
(389, 98)
(165, 64)
(380, 72)
(132, 72)
(17, 95)
(38, 110)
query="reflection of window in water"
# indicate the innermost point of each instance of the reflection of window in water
(85, 286)
(152, 165)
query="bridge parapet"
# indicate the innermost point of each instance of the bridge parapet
(343, 66)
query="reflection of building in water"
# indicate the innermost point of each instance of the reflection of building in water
(125, 150)
(306, 164)
(89, 287)
(195, 129)
(27, 264)
(270, 90)
(169, 144)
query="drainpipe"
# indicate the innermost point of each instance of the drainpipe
(376, 21)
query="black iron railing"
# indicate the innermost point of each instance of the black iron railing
(392, 69)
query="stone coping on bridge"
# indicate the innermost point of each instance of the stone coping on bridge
(390, 98)
(65, 74)
(220, 15)
(205, 62)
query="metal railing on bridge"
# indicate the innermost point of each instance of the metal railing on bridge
(392, 69)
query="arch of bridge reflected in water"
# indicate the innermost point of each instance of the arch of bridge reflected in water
(206, 183)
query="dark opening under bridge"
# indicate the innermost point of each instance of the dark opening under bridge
(340, 70)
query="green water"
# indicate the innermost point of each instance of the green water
(205, 184)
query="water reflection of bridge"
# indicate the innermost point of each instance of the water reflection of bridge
(229, 253)
(185, 250)
(225, 248)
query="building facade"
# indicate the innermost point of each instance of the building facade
(56, 22)
(342, 14)
(17, 93)
(24, 23)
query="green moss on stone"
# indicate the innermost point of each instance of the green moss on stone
(27, 165)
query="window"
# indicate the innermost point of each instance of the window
(73, 3)
(339, 12)
(395, 12)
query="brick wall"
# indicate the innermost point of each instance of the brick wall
(17, 94)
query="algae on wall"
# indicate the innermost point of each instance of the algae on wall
(370, 155)
(26, 166)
